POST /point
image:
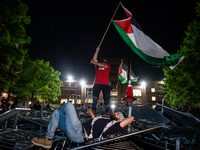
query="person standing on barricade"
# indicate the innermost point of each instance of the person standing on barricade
(101, 82)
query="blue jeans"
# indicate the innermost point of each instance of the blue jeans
(67, 118)
(106, 95)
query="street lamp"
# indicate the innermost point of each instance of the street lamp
(82, 82)
(70, 78)
(143, 83)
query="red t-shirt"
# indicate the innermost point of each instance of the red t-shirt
(102, 75)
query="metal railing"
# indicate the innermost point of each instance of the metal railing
(82, 98)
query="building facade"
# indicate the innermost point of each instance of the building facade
(151, 92)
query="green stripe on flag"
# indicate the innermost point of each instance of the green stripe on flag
(122, 79)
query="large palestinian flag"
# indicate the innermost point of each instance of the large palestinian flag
(143, 45)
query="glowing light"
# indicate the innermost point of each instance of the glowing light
(70, 78)
(143, 83)
(82, 82)
(112, 106)
(29, 103)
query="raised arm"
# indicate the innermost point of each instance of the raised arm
(94, 59)
(127, 121)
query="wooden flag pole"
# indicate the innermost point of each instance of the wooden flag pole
(109, 24)
(130, 71)
(118, 75)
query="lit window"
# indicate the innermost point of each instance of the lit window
(113, 93)
(63, 100)
(153, 98)
(88, 101)
(153, 106)
(136, 92)
(78, 101)
(153, 90)
(71, 100)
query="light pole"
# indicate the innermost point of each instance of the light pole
(143, 83)
(82, 83)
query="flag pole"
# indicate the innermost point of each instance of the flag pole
(118, 75)
(109, 24)
(129, 103)
(130, 71)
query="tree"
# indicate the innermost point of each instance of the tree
(182, 83)
(38, 80)
(12, 38)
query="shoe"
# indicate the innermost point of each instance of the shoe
(43, 142)
(94, 112)
(108, 113)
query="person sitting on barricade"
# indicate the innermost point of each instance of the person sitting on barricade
(67, 118)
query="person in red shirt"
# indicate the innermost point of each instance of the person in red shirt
(101, 82)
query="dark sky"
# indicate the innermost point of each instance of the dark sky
(66, 33)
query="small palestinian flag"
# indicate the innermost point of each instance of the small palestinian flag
(123, 72)
(134, 78)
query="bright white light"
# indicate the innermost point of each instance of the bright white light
(112, 106)
(29, 102)
(70, 78)
(82, 82)
(143, 83)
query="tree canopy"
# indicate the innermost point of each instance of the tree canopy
(38, 80)
(12, 38)
(182, 83)
(20, 75)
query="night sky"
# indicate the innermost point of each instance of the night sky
(66, 33)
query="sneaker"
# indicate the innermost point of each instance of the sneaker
(43, 142)
(94, 112)
(108, 113)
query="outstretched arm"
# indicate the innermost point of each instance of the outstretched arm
(127, 121)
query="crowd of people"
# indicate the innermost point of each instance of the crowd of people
(6, 104)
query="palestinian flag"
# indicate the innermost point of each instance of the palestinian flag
(123, 71)
(143, 45)
(134, 78)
